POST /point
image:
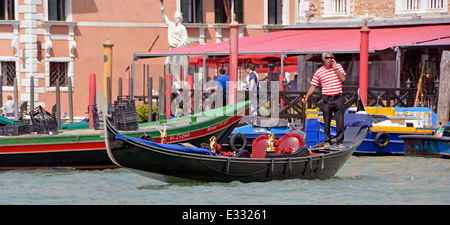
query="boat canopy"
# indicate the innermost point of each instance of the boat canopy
(314, 41)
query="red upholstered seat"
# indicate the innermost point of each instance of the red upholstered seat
(259, 147)
(290, 140)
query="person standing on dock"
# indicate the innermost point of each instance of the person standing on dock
(252, 88)
(221, 86)
(330, 76)
(9, 107)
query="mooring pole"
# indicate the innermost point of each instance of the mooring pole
(31, 93)
(69, 85)
(169, 83)
(107, 67)
(58, 105)
(92, 89)
(16, 100)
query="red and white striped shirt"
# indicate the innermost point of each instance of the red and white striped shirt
(331, 84)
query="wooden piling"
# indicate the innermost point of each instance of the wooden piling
(16, 100)
(31, 93)
(58, 105)
(150, 102)
(108, 90)
(70, 96)
(120, 86)
(1, 90)
(443, 111)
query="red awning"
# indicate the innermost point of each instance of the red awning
(317, 41)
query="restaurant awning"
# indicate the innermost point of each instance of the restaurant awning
(309, 41)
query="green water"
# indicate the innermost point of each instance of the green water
(362, 180)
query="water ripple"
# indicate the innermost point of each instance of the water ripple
(363, 180)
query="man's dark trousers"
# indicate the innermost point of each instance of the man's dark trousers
(334, 105)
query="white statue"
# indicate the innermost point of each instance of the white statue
(178, 38)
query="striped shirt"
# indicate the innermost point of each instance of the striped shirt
(331, 84)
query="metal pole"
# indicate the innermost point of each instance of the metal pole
(234, 39)
(364, 63)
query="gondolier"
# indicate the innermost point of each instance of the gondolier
(330, 76)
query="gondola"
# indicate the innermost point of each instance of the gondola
(180, 163)
(85, 149)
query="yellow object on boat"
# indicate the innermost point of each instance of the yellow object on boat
(395, 129)
(388, 111)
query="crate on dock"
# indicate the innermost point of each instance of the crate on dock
(43, 121)
(124, 114)
(16, 129)
(126, 117)
(127, 126)
(123, 101)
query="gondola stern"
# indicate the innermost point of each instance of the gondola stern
(110, 132)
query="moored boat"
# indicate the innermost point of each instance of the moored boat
(85, 149)
(437, 145)
(388, 124)
(177, 163)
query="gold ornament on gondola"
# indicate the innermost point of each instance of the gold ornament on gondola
(213, 143)
(270, 147)
(163, 135)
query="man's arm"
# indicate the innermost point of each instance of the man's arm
(309, 93)
(341, 76)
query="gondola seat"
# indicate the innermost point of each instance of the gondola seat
(288, 143)
(259, 147)
(243, 154)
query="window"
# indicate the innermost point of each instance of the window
(340, 6)
(192, 11)
(275, 11)
(420, 6)
(7, 10)
(8, 72)
(223, 11)
(58, 70)
(412, 5)
(56, 10)
(336, 7)
(435, 4)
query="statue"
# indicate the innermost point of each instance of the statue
(178, 38)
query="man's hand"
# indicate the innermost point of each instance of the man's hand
(304, 99)
(333, 63)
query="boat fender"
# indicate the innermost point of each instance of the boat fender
(233, 139)
(147, 137)
(383, 136)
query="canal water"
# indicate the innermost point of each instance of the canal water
(396, 180)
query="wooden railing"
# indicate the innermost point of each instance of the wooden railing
(290, 105)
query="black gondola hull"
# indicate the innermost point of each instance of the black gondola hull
(172, 166)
